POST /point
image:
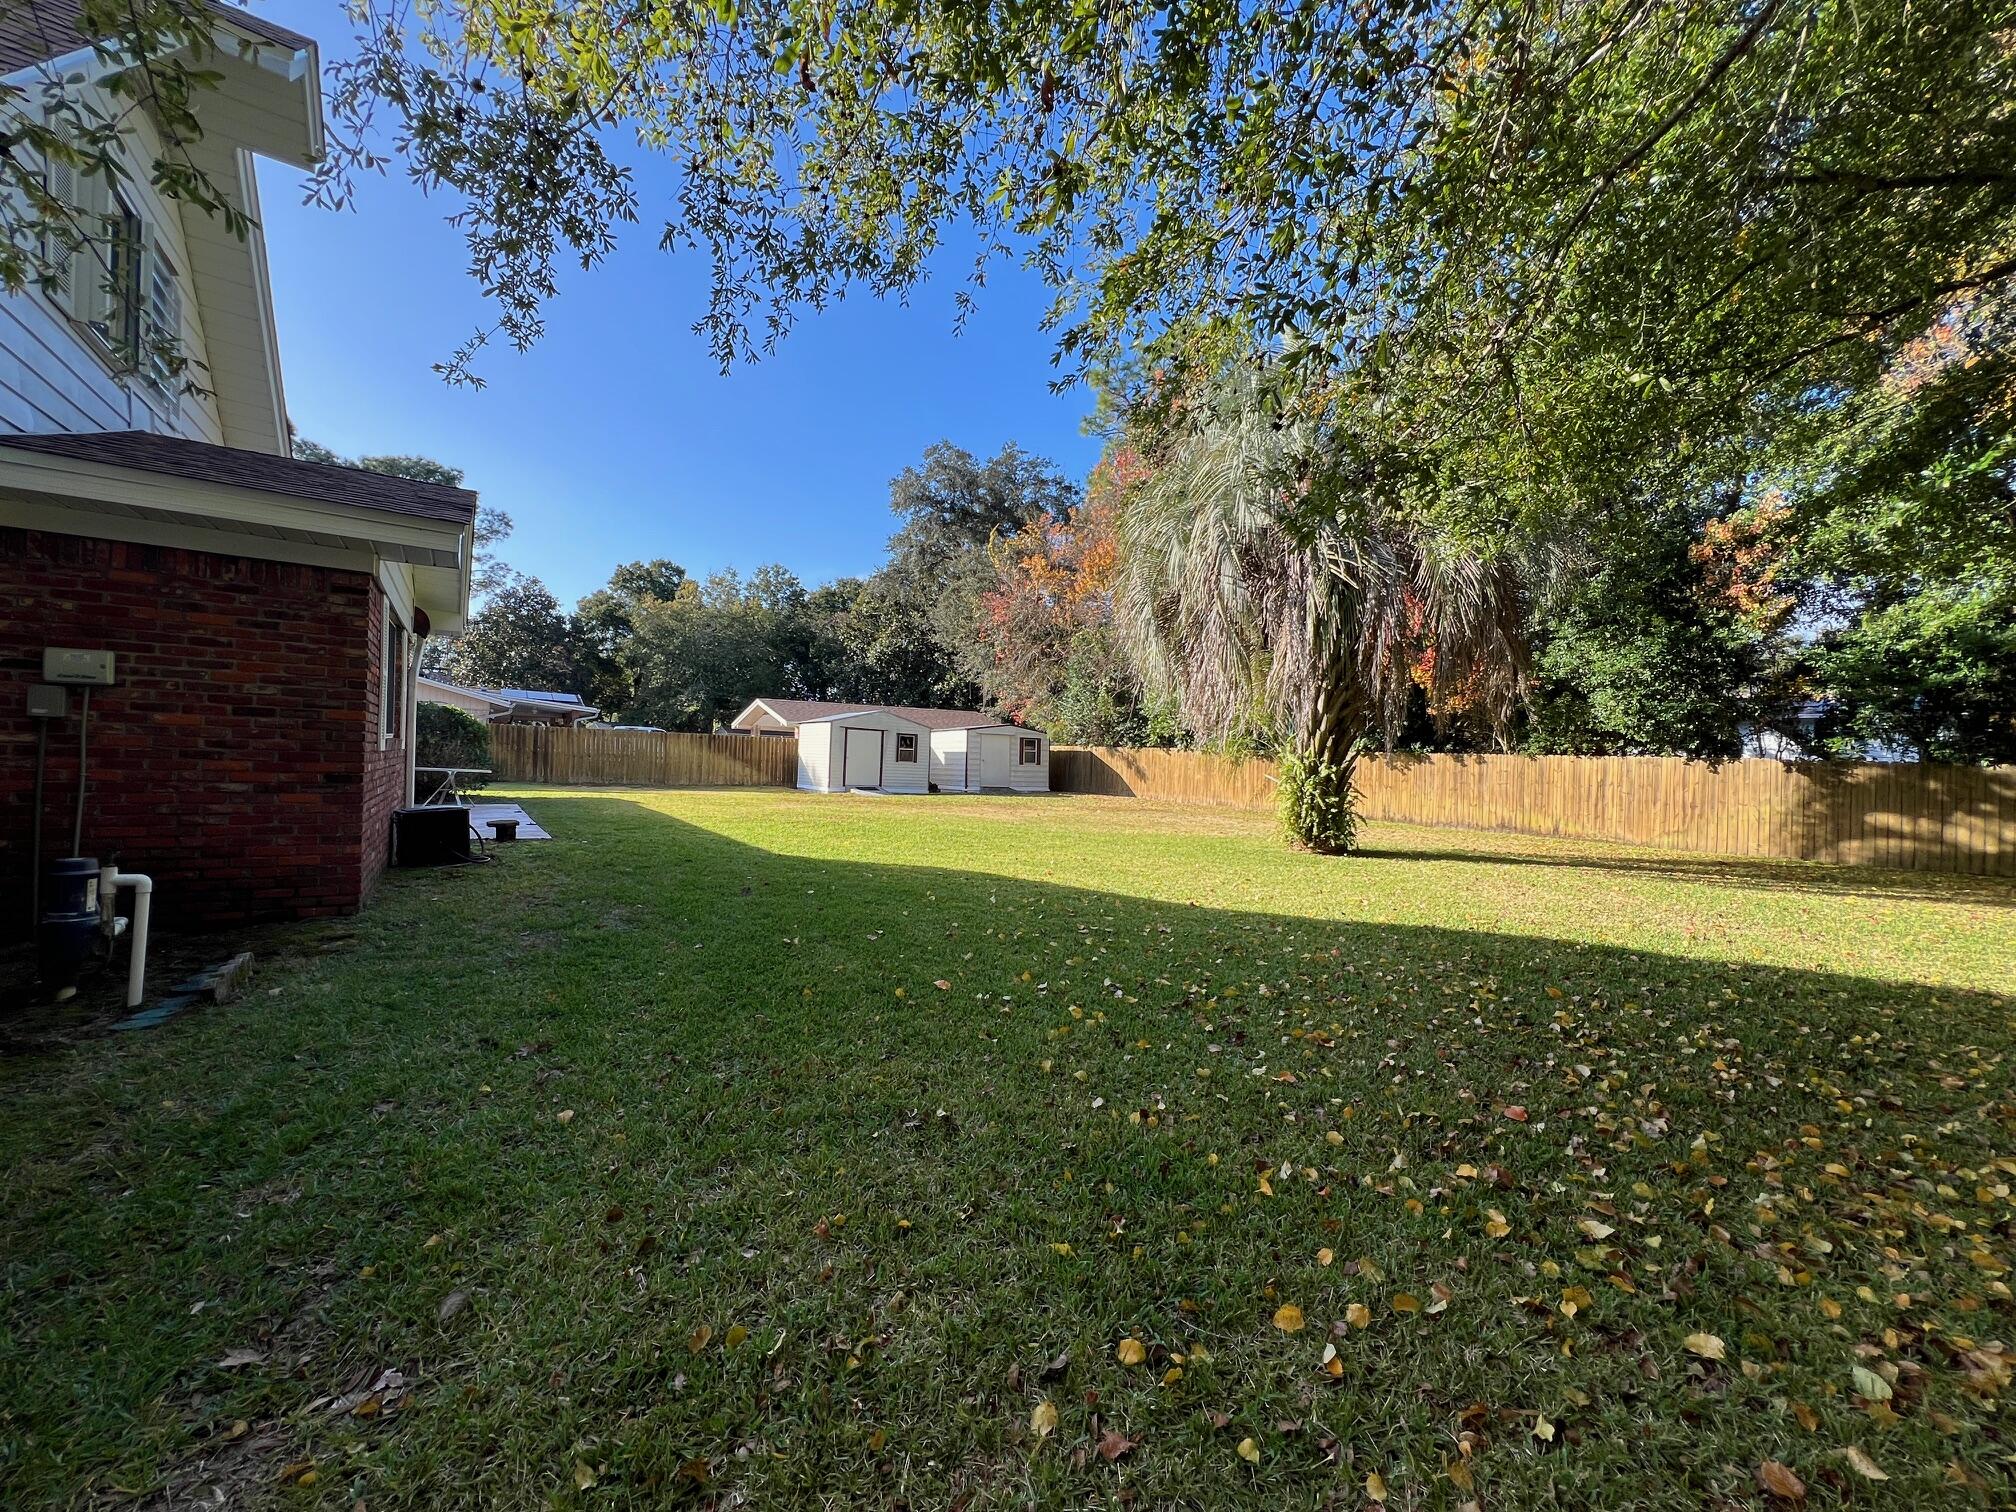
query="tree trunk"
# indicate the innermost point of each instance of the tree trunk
(1318, 807)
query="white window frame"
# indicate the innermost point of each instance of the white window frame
(1022, 756)
(391, 680)
(911, 759)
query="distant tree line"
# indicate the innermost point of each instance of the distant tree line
(1677, 630)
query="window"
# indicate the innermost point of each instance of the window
(1032, 751)
(906, 747)
(110, 277)
(391, 678)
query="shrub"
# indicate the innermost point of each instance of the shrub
(1317, 805)
(447, 737)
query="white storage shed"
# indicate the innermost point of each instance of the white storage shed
(962, 750)
(875, 749)
(994, 757)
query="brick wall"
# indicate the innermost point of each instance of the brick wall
(237, 761)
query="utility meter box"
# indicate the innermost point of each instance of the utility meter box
(80, 669)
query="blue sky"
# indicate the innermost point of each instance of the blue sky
(618, 438)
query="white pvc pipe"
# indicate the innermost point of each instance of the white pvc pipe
(143, 896)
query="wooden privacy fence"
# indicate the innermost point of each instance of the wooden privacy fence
(1929, 818)
(641, 758)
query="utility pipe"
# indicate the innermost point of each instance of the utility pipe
(83, 772)
(110, 879)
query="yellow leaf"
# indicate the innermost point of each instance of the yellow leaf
(698, 1339)
(1543, 1430)
(1358, 1315)
(1870, 1384)
(584, 1477)
(1333, 1364)
(942, 985)
(1249, 1451)
(734, 1337)
(1705, 1345)
(1777, 1479)
(1406, 1302)
(1062, 1249)
(876, 1440)
(1375, 1486)
(1288, 1318)
(1595, 1229)
(1130, 1352)
(1861, 1463)
(1830, 1307)
(1324, 1256)
(1043, 1421)
(565, 1116)
(1497, 1227)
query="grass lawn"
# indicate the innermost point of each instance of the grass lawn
(765, 1149)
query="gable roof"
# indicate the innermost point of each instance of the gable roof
(796, 711)
(41, 30)
(203, 462)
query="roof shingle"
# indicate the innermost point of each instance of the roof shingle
(798, 710)
(39, 30)
(199, 461)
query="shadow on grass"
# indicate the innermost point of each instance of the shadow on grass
(916, 1198)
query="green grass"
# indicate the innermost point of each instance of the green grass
(1767, 1103)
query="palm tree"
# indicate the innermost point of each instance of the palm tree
(1269, 581)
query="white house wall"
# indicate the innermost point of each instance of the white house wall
(51, 378)
(815, 754)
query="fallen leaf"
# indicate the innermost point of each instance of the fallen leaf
(1871, 1385)
(584, 1477)
(1249, 1451)
(299, 1473)
(942, 985)
(734, 1337)
(1324, 1256)
(1406, 1302)
(565, 1116)
(1288, 1318)
(1358, 1315)
(1375, 1486)
(451, 1304)
(698, 1339)
(1705, 1345)
(1516, 1113)
(1113, 1444)
(235, 1358)
(1595, 1229)
(1542, 1429)
(1778, 1480)
(1861, 1463)
(1495, 1226)
(1130, 1352)
(1043, 1421)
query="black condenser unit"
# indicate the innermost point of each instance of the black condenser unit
(435, 834)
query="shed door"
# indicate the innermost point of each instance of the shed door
(991, 769)
(863, 764)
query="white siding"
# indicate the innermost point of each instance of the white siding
(999, 766)
(51, 376)
(815, 750)
(948, 760)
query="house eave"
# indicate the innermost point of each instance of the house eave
(39, 491)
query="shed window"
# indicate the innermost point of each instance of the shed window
(906, 747)
(1032, 751)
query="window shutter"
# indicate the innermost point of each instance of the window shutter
(61, 180)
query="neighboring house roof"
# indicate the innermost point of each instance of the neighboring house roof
(796, 711)
(323, 482)
(31, 34)
(481, 694)
(536, 695)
